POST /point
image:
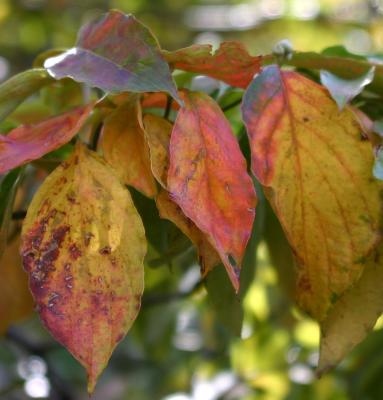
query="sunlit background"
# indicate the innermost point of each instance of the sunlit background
(178, 349)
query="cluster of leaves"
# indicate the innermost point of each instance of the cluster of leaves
(83, 240)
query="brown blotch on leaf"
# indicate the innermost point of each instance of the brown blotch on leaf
(105, 250)
(74, 251)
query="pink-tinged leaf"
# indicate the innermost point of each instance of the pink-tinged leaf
(316, 168)
(231, 63)
(30, 142)
(158, 131)
(208, 179)
(115, 53)
(83, 245)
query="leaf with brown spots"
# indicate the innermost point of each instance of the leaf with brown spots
(157, 132)
(125, 149)
(231, 63)
(16, 302)
(316, 170)
(83, 245)
(353, 316)
(208, 179)
(30, 142)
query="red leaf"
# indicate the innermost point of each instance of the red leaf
(231, 63)
(207, 178)
(30, 142)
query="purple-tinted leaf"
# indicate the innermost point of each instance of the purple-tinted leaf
(115, 53)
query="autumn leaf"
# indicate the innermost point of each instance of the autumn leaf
(125, 148)
(30, 142)
(115, 53)
(83, 245)
(157, 100)
(208, 179)
(353, 316)
(157, 132)
(315, 167)
(16, 302)
(231, 63)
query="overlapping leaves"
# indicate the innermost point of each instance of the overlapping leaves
(83, 241)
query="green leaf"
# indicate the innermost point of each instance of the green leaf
(15, 90)
(341, 51)
(344, 90)
(8, 188)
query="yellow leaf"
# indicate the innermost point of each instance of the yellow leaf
(353, 315)
(157, 133)
(83, 245)
(125, 149)
(316, 168)
(16, 302)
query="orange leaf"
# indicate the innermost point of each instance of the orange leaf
(125, 149)
(208, 179)
(157, 100)
(157, 132)
(30, 142)
(231, 63)
(83, 245)
(16, 302)
(315, 165)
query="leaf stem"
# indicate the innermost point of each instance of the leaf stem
(95, 138)
(232, 105)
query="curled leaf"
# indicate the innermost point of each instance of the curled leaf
(231, 63)
(316, 169)
(208, 179)
(125, 148)
(115, 53)
(157, 132)
(83, 245)
(30, 142)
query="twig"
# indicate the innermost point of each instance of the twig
(163, 298)
(232, 105)
(95, 138)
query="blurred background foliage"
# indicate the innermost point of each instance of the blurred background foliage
(189, 341)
